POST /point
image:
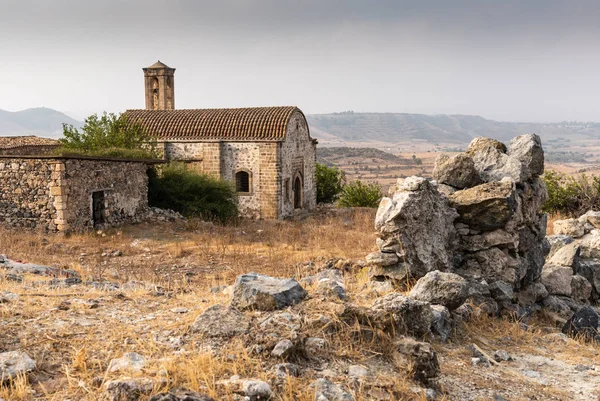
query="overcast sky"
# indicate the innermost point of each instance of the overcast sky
(510, 60)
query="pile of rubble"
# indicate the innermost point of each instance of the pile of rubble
(480, 218)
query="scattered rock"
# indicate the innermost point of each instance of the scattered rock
(557, 242)
(181, 395)
(502, 356)
(447, 289)
(314, 347)
(501, 291)
(283, 349)
(131, 361)
(357, 372)
(425, 365)
(397, 313)
(128, 389)
(260, 292)
(568, 255)
(328, 391)
(442, 322)
(14, 363)
(283, 370)
(220, 321)
(255, 390)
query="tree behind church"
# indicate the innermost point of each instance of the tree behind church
(108, 135)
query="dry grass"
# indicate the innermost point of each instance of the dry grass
(73, 333)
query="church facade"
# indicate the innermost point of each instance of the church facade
(266, 151)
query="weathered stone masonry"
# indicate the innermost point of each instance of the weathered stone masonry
(56, 194)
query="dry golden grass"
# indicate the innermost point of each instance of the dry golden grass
(73, 333)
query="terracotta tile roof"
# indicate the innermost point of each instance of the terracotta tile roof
(11, 142)
(255, 123)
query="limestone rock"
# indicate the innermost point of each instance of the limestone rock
(593, 217)
(557, 279)
(419, 217)
(383, 259)
(181, 395)
(528, 150)
(220, 321)
(493, 164)
(557, 242)
(457, 171)
(283, 349)
(283, 370)
(485, 207)
(534, 292)
(570, 227)
(557, 305)
(492, 264)
(400, 314)
(128, 389)
(13, 363)
(314, 347)
(260, 292)
(568, 255)
(447, 289)
(357, 372)
(330, 283)
(131, 361)
(481, 143)
(398, 272)
(590, 245)
(254, 389)
(501, 291)
(328, 391)
(581, 289)
(583, 323)
(442, 322)
(425, 365)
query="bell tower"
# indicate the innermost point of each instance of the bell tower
(159, 81)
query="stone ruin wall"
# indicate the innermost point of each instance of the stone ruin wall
(481, 218)
(26, 200)
(55, 194)
(125, 186)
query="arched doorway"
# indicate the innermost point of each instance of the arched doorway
(298, 192)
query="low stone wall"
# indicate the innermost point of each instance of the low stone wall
(25, 197)
(55, 194)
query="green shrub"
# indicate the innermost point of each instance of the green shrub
(192, 194)
(571, 195)
(360, 194)
(330, 181)
(108, 135)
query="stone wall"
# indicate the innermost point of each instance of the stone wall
(25, 198)
(125, 187)
(244, 156)
(298, 155)
(202, 157)
(56, 194)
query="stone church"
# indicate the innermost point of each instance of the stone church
(266, 151)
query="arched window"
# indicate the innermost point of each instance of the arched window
(242, 182)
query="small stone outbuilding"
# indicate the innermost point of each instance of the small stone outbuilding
(266, 151)
(27, 145)
(71, 193)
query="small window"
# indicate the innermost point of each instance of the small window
(286, 189)
(242, 181)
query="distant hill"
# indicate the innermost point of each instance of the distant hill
(448, 129)
(39, 121)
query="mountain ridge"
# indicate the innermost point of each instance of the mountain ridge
(40, 121)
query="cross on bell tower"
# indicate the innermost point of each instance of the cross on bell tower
(159, 81)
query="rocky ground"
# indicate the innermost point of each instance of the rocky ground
(145, 311)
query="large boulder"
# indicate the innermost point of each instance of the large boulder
(457, 171)
(557, 279)
(220, 321)
(485, 207)
(528, 150)
(583, 323)
(447, 289)
(492, 264)
(260, 292)
(590, 269)
(571, 227)
(590, 245)
(419, 218)
(14, 363)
